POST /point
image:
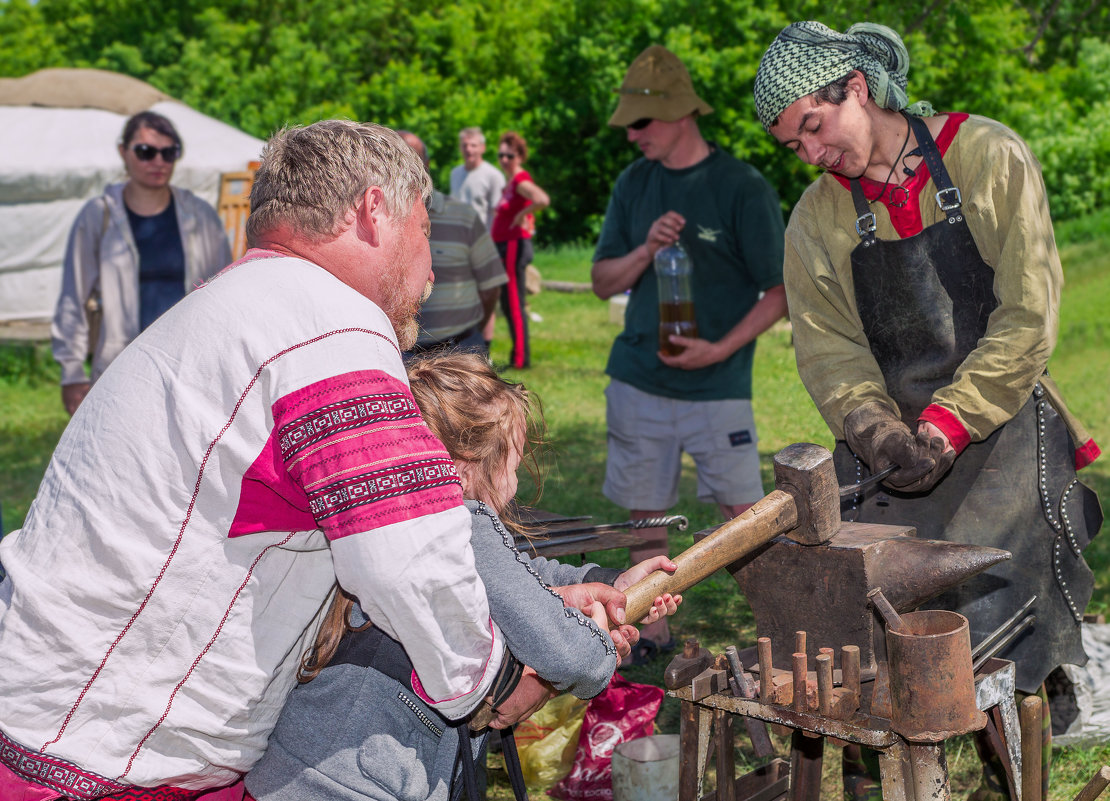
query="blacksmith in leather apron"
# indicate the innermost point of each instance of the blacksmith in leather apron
(924, 302)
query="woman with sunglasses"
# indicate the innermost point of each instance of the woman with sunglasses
(132, 253)
(514, 223)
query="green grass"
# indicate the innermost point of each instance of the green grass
(30, 425)
(569, 350)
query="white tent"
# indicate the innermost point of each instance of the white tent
(58, 134)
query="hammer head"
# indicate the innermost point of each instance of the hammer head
(806, 472)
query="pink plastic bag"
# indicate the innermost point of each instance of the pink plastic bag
(624, 711)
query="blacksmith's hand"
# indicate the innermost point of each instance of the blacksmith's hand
(878, 436)
(943, 455)
(624, 637)
(603, 604)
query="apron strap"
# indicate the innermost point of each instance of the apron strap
(512, 765)
(865, 218)
(947, 197)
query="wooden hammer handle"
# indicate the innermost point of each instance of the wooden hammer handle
(774, 514)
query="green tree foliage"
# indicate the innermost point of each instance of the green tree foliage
(547, 68)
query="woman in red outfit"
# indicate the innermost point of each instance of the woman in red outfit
(513, 225)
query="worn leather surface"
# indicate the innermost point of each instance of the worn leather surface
(924, 303)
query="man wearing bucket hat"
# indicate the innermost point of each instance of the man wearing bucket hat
(924, 285)
(728, 219)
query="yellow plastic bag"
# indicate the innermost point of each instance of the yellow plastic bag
(547, 740)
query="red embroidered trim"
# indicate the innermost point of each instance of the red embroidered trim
(358, 448)
(1086, 454)
(54, 772)
(380, 485)
(269, 498)
(154, 794)
(949, 424)
(344, 415)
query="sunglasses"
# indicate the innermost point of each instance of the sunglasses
(148, 152)
(506, 155)
(641, 123)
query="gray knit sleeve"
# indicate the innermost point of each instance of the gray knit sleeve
(562, 645)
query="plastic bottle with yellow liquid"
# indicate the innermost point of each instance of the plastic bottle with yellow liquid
(673, 269)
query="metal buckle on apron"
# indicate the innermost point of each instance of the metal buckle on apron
(943, 202)
(865, 225)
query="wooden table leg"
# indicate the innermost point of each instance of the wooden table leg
(726, 765)
(694, 735)
(806, 755)
(1032, 716)
(688, 751)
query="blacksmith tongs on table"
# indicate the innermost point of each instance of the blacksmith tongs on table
(581, 533)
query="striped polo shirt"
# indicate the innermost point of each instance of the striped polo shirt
(465, 263)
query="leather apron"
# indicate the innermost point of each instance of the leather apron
(925, 302)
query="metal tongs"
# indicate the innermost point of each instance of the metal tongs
(848, 490)
(1001, 637)
(562, 536)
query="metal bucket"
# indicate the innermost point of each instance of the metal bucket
(932, 687)
(646, 769)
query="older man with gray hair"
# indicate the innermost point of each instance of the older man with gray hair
(255, 445)
(476, 182)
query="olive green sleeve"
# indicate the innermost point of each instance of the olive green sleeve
(834, 359)
(1006, 207)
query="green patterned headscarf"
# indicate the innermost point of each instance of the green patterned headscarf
(807, 56)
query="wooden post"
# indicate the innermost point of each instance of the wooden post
(1093, 789)
(688, 778)
(805, 766)
(726, 767)
(1032, 716)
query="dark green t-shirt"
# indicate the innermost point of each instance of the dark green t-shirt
(734, 235)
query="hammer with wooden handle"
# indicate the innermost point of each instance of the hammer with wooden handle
(805, 506)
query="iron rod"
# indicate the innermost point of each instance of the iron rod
(990, 639)
(1001, 644)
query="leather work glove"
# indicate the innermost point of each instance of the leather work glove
(878, 436)
(942, 463)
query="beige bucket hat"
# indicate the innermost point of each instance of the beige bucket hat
(657, 86)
